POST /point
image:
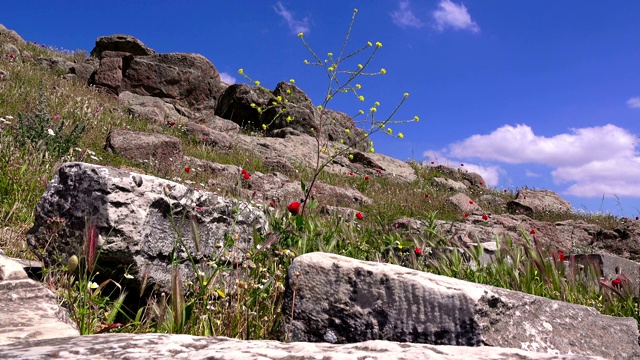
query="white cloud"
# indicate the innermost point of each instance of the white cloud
(454, 16)
(518, 144)
(404, 17)
(529, 173)
(227, 78)
(295, 26)
(591, 162)
(490, 174)
(634, 102)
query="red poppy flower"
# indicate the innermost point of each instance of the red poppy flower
(485, 217)
(350, 173)
(243, 171)
(11, 56)
(466, 215)
(618, 281)
(418, 251)
(172, 123)
(246, 176)
(294, 208)
(481, 183)
(272, 203)
(532, 232)
(366, 178)
(187, 169)
(359, 215)
(561, 255)
(471, 202)
(379, 171)
(426, 196)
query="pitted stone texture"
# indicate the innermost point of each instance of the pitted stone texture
(10, 35)
(449, 184)
(120, 43)
(11, 269)
(464, 204)
(28, 311)
(161, 151)
(152, 108)
(164, 346)
(138, 218)
(533, 202)
(188, 79)
(341, 300)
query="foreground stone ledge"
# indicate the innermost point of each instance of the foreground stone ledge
(28, 311)
(341, 300)
(164, 346)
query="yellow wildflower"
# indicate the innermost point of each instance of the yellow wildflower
(401, 135)
(361, 98)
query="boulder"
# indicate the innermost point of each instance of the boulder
(533, 202)
(10, 36)
(335, 299)
(470, 179)
(366, 162)
(334, 125)
(160, 151)
(135, 220)
(121, 43)
(165, 346)
(449, 184)
(152, 108)
(623, 240)
(109, 74)
(463, 203)
(305, 116)
(28, 311)
(235, 104)
(80, 72)
(188, 79)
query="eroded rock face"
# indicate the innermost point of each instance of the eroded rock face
(162, 151)
(531, 202)
(137, 218)
(152, 109)
(342, 300)
(190, 79)
(164, 346)
(121, 43)
(28, 311)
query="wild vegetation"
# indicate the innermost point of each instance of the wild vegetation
(46, 121)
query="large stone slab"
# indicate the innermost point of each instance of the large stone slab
(28, 311)
(331, 298)
(164, 346)
(138, 221)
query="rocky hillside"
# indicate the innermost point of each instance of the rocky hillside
(162, 179)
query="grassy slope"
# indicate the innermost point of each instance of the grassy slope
(25, 170)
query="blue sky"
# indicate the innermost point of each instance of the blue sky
(543, 94)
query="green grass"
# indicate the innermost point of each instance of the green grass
(247, 305)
